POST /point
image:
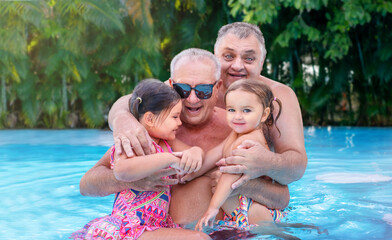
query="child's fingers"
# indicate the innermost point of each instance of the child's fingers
(198, 227)
(189, 165)
(198, 166)
(177, 154)
(242, 180)
(184, 162)
(207, 222)
(192, 166)
(211, 222)
(187, 177)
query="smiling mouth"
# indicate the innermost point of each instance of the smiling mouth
(193, 109)
(238, 75)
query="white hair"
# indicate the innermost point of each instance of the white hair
(195, 54)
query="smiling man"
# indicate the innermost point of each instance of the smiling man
(200, 70)
(241, 51)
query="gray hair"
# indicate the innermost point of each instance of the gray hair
(196, 54)
(242, 30)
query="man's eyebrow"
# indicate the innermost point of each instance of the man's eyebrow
(250, 51)
(229, 49)
(247, 52)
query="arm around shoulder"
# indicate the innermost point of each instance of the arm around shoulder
(129, 135)
(118, 108)
(290, 155)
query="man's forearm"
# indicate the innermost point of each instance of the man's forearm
(288, 167)
(263, 191)
(100, 182)
(120, 106)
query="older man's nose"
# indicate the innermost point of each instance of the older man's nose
(192, 97)
(238, 64)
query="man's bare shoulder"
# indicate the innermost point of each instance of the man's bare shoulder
(283, 92)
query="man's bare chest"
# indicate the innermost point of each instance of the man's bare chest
(204, 139)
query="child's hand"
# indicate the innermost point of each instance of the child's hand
(176, 165)
(207, 219)
(188, 177)
(191, 159)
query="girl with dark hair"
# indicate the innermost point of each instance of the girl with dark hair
(144, 214)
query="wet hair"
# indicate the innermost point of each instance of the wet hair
(152, 95)
(264, 94)
(195, 54)
(242, 30)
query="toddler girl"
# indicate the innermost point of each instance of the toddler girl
(249, 106)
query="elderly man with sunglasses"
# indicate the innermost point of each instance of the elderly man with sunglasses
(241, 53)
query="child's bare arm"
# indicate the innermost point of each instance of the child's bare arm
(223, 188)
(141, 166)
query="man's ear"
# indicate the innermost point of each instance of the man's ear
(149, 119)
(219, 84)
(266, 113)
(170, 81)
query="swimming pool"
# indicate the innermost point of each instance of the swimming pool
(346, 192)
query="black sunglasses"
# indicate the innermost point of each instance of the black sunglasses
(202, 91)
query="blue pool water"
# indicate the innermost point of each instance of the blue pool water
(346, 192)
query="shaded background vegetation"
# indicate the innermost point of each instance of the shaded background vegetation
(63, 63)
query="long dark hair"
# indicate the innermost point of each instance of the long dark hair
(152, 95)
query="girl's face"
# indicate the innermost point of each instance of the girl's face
(244, 112)
(166, 127)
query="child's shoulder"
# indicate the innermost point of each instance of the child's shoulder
(255, 135)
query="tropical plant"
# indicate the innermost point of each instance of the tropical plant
(63, 63)
(337, 52)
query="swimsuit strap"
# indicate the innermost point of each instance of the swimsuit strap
(159, 148)
(168, 147)
(245, 204)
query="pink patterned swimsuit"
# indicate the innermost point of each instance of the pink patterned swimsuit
(133, 213)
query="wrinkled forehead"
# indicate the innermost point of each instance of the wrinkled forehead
(233, 41)
(194, 70)
(244, 46)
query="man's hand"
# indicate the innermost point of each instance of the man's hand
(156, 182)
(246, 160)
(130, 136)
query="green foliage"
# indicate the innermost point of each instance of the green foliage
(349, 42)
(63, 63)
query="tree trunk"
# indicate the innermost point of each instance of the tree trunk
(64, 93)
(3, 97)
